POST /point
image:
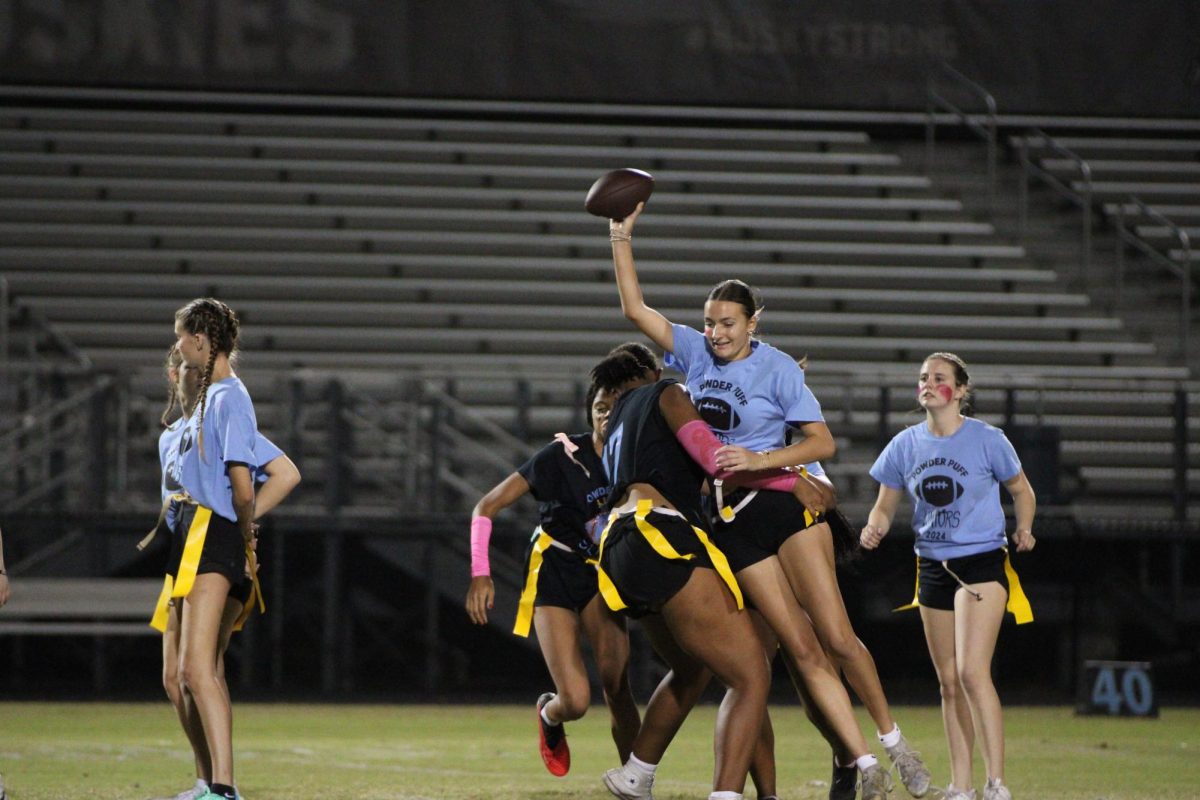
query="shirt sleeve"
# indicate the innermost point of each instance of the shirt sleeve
(265, 451)
(807, 408)
(236, 429)
(689, 348)
(542, 473)
(1002, 457)
(887, 468)
(797, 401)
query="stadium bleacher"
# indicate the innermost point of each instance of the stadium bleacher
(453, 247)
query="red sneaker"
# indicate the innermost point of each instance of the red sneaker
(552, 741)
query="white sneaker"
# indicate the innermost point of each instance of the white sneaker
(629, 784)
(995, 790)
(952, 793)
(913, 772)
(874, 783)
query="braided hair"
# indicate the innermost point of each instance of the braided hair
(217, 321)
(616, 370)
(174, 359)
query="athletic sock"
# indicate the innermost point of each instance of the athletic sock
(864, 763)
(725, 796)
(890, 739)
(640, 766)
(547, 719)
(221, 790)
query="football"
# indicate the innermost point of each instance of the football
(939, 490)
(616, 194)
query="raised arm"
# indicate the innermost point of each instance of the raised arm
(648, 321)
(481, 596)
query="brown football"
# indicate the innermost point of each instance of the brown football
(616, 194)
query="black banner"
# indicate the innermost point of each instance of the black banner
(1097, 57)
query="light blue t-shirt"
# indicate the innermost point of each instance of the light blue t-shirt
(952, 480)
(168, 458)
(230, 434)
(748, 402)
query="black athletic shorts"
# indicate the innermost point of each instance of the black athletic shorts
(936, 587)
(564, 579)
(644, 579)
(224, 548)
(760, 527)
(240, 591)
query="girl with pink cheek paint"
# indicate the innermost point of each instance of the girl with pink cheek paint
(950, 465)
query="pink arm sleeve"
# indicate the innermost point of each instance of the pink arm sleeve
(702, 446)
(481, 534)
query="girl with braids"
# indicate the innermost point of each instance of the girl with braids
(561, 595)
(217, 451)
(277, 477)
(951, 465)
(751, 395)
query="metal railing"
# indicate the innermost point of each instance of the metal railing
(986, 130)
(1032, 169)
(1127, 236)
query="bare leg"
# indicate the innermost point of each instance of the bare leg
(202, 611)
(558, 633)
(762, 765)
(956, 714)
(977, 626)
(610, 643)
(707, 623)
(184, 709)
(767, 586)
(807, 559)
(674, 696)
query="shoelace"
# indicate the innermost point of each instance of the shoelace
(905, 757)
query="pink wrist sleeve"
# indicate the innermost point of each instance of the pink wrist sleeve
(700, 443)
(481, 534)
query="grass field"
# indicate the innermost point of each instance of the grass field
(305, 752)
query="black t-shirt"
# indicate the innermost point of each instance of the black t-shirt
(571, 489)
(641, 448)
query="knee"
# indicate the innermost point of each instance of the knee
(573, 702)
(614, 681)
(192, 676)
(951, 688)
(172, 687)
(805, 656)
(974, 681)
(844, 646)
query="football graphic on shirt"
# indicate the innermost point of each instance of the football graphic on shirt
(718, 414)
(939, 490)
